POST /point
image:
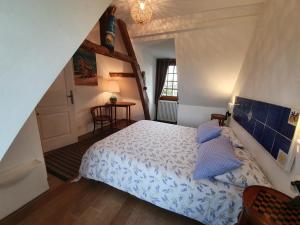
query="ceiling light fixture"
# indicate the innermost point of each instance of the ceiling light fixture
(141, 11)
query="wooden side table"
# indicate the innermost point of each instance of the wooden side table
(219, 117)
(126, 105)
(266, 206)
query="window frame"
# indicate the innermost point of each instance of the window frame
(170, 97)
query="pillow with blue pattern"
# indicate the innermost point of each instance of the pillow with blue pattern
(248, 174)
(228, 132)
(208, 130)
(215, 157)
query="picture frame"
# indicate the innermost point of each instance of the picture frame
(85, 68)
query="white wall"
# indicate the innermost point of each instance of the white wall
(25, 148)
(209, 61)
(38, 38)
(270, 73)
(192, 116)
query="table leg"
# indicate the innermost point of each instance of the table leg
(111, 117)
(129, 114)
(115, 115)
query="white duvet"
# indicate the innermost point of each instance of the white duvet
(154, 162)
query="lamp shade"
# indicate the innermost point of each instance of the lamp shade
(111, 86)
(141, 11)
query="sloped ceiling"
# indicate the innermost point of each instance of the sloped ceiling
(37, 39)
(172, 8)
(173, 16)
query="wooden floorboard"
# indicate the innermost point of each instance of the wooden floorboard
(65, 162)
(92, 203)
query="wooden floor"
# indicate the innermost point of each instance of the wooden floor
(92, 203)
(65, 162)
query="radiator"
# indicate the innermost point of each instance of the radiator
(167, 111)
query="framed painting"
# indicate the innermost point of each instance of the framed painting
(294, 117)
(85, 68)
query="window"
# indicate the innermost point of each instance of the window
(171, 84)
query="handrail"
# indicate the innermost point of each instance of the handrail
(17, 173)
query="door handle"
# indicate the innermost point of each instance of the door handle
(71, 96)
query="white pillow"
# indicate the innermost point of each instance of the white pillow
(228, 132)
(246, 175)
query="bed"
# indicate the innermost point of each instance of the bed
(154, 162)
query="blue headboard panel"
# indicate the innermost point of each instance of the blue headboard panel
(271, 125)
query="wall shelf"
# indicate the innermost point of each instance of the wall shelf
(114, 74)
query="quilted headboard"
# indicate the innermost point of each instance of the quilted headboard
(271, 125)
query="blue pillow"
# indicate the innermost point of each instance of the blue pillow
(215, 157)
(208, 130)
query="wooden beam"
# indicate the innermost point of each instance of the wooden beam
(99, 49)
(135, 68)
(113, 74)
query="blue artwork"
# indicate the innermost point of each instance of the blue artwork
(271, 125)
(110, 33)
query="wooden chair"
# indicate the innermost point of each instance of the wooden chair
(101, 114)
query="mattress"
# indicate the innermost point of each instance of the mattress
(154, 162)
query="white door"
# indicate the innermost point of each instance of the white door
(56, 113)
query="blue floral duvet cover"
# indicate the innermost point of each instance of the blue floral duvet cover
(154, 162)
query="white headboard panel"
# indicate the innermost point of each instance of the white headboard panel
(279, 178)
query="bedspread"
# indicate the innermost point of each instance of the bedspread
(154, 162)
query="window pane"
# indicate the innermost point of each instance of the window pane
(175, 85)
(170, 69)
(170, 85)
(175, 77)
(175, 92)
(170, 76)
(169, 92)
(171, 82)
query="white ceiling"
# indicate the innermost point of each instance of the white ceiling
(172, 8)
(171, 16)
(159, 48)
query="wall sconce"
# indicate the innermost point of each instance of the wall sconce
(230, 108)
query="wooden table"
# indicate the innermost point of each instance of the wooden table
(219, 117)
(264, 206)
(126, 105)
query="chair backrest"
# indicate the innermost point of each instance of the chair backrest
(100, 110)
